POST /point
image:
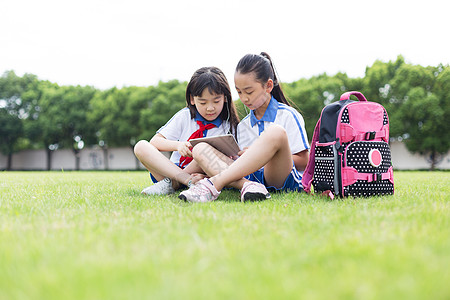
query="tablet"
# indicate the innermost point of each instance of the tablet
(224, 143)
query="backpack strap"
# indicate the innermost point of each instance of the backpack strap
(309, 171)
(348, 134)
(351, 175)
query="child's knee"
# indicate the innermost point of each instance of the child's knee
(277, 133)
(199, 150)
(140, 147)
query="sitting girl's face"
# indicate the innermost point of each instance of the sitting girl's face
(208, 105)
(252, 93)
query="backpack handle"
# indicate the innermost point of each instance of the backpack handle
(346, 96)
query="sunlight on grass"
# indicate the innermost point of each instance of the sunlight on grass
(91, 235)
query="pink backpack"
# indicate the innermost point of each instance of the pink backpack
(350, 154)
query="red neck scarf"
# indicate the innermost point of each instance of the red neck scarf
(184, 160)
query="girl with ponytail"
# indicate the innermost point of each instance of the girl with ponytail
(275, 148)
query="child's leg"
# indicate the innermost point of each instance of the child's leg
(160, 166)
(212, 162)
(270, 150)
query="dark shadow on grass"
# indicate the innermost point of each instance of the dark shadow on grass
(179, 202)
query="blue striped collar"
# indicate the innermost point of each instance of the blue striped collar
(269, 115)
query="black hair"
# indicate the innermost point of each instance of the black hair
(264, 70)
(215, 81)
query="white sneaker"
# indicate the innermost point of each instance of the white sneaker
(163, 187)
(202, 191)
(254, 191)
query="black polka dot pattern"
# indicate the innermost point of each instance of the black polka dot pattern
(324, 151)
(385, 118)
(323, 169)
(357, 156)
(344, 117)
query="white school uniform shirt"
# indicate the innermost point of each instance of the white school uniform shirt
(250, 128)
(181, 126)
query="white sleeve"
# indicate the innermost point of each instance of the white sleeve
(245, 135)
(173, 129)
(295, 128)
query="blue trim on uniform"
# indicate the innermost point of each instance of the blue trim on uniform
(293, 182)
(217, 121)
(269, 115)
(153, 178)
(290, 109)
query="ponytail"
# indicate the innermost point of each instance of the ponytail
(264, 70)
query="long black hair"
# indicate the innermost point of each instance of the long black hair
(264, 70)
(215, 81)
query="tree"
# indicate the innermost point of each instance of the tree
(17, 92)
(164, 101)
(116, 114)
(76, 129)
(377, 80)
(17, 96)
(11, 129)
(424, 113)
(62, 120)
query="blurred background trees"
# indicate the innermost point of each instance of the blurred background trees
(37, 114)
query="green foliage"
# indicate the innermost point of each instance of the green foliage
(164, 101)
(91, 235)
(425, 123)
(241, 109)
(416, 98)
(124, 116)
(18, 93)
(62, 116)
(377, 80)
(116, 115)
(17, 99)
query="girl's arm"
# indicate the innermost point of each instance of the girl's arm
(163, 144)
(301, 159)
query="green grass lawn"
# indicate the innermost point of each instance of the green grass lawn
(91, 235)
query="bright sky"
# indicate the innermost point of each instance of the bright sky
(106, 43)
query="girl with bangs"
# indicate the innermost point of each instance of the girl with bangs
(210, 111)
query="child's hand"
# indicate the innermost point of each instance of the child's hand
(195, 177)
(184, 148)
(242, 151)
